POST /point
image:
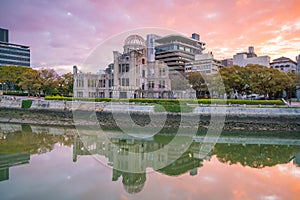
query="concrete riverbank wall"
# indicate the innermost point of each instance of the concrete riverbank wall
(236, 117)
(11, 102)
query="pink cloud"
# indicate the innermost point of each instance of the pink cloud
(59, 31)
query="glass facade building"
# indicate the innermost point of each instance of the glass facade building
(3, 35)
(14, 54)
(177, 50)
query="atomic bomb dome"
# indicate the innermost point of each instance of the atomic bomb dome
(134, 42)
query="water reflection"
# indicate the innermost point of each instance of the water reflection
(18, 142)
(130, 158)
(10, 160)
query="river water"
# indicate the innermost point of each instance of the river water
(44, 162)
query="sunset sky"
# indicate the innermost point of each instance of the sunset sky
(63, 33)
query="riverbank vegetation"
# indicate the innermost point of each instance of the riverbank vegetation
(238, 82)
(23, 81)
(173, 101)
(235, 82)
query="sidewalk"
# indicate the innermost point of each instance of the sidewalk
(295, 104)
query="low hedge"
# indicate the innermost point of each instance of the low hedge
(26, 103)
(255, 102)
(12, 93)
(173, 108)
(60, 98)
(174, 101)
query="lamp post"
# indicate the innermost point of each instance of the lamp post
(1, 93)
(2, 86)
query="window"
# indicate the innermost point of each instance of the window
(143, 73)
(151, 84)
(162, 84)
(79, 83)
(110, 82)
(120, 68)
(124, 81)
(143, 61)
(101, 83)
(151, 71)
(123, 68)
(92, 94)
(123, 95)
(175, 47)
(79, 94)
(127, 68)
(91, 83)
(162, 71)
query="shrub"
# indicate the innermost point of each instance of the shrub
(174, 101)
(172, 108)
(26, 103)
(255, 102)
(15, 93)
(60, 98)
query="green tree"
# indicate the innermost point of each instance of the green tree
(178, 81)
(215, 85)
(197, 82)
(31, 82)
(48, 80)
(255, 79)
(9, 76)
(296, 83)
(65, 84)
(267, 81)
(235, 79)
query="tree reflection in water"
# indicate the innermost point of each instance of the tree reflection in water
(32, 140)
(15, 139)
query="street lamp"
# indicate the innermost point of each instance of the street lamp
(1, 93)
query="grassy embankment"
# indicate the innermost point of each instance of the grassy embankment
(176, 105)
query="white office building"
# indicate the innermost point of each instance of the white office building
(284, 64)
(245, 58)
(204, 63)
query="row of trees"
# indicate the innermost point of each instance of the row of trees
(242, 80)
(245, 80)
(36, 82)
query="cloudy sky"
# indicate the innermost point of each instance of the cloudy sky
(63, 33)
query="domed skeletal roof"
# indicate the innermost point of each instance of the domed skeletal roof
(135, 40)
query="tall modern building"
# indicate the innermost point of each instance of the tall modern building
(13, 54)
(150, 43)
(176, 50)
(3, 35)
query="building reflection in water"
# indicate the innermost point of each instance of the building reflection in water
(18, 142)
(10, 160)
(131, 157)
(297, 159)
